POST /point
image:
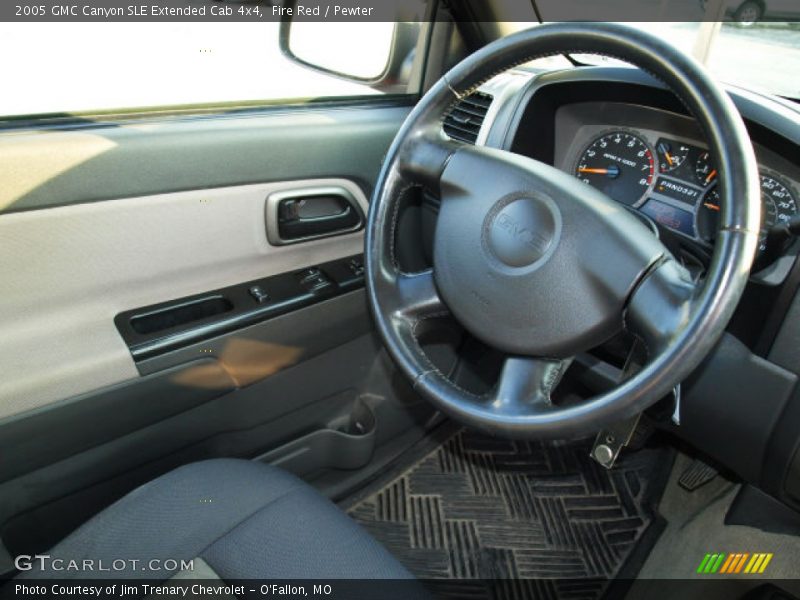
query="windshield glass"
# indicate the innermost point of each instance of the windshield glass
(762, 56)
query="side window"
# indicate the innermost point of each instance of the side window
(121, 67)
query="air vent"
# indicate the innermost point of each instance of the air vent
(464, 122)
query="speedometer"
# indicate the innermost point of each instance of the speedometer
(620, 164)
(778, 205)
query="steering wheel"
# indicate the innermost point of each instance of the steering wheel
(541, 266)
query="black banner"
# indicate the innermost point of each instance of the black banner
(370, 10)
(733, 587)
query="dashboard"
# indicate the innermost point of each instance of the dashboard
(657, 163)
(624, 133)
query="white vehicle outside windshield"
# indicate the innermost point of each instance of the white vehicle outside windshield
(762, 56)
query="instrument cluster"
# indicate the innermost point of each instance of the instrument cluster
(673, 182)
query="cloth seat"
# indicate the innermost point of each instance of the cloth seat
(240, 519)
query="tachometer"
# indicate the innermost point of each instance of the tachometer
(620, 164)
(778, 205)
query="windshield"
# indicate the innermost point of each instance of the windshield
(761, 56)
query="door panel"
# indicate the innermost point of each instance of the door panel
(84, 264)
(64, 270)
(100, 220)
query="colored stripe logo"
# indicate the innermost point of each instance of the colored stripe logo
(734, 563)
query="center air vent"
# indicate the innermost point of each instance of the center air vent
(464, 122)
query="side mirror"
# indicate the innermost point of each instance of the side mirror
(378, 54)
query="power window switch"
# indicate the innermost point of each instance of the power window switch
(259, 294)
(309, 274)
(356, 267)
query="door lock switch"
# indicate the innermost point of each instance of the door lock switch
(309, 274)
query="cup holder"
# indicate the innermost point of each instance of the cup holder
(361, 420)
(345, 443)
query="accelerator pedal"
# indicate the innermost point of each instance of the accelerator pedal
(696, 475)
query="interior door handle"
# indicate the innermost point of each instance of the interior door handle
(311, 213)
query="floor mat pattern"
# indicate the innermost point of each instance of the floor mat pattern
(477, 507)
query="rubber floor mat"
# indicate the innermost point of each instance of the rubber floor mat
(480, 508)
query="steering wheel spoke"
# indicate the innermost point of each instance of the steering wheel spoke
(526, 385)
(660, 307)
(418, 296)
(425, 157)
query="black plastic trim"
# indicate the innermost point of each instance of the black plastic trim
(733, 405)
(250, 302)
(754, 508)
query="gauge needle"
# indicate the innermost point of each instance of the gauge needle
(669, 158)
(612, 171)
(711, 206)
(711, 176)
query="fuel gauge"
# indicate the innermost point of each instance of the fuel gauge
(671, 155)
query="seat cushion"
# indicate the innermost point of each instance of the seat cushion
(245, 520)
